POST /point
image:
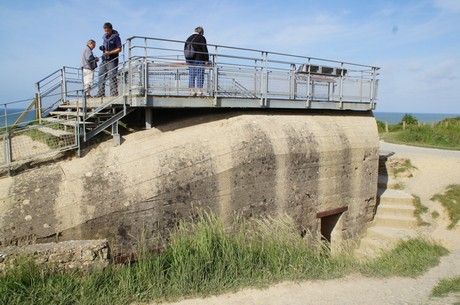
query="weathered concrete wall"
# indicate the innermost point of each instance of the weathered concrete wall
(257, 164)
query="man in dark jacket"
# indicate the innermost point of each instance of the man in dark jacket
(111, 46)
(196, 70)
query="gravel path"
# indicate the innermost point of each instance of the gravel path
(436, 169)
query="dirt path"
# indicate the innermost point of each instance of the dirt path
(436, 169)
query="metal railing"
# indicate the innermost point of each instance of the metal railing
(33, 140)
(157, 67)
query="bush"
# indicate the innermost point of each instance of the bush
(409, 119)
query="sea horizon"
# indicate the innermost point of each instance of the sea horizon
(427, 118)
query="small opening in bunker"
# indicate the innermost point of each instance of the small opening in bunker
(329, 220)
(328, 224)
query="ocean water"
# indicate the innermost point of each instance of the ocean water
(427, 118)
(12, 115)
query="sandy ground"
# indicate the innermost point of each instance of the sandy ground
(436, 169)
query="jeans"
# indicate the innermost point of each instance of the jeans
(196, 72)
(109, 70)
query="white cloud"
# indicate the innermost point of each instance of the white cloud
(447, 5)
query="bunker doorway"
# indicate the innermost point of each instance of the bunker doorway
(331, 224)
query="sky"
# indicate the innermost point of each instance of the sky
(416, 43)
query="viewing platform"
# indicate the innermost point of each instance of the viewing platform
(152, 73)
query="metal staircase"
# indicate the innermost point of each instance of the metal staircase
(71, 106)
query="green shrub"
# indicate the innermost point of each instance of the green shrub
(409, 119)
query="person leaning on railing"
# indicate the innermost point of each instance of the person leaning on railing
(111, 47)
(196, 70)
(88, 63)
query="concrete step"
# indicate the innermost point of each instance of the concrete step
(389, 233)
(389, 196)
(395, 221)
(396, 210)
(374, 244)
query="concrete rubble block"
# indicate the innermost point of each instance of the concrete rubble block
(83, 255)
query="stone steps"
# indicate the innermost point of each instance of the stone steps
(394, 197)
(388, 234)
(394, 221)
(396, 210)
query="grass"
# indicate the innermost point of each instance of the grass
(399, 186)
(446, 286)
(410, 258)
(205, 257)
(419, 210)
(401, 166)
(444, 134)
(46, 138)
(451, 201)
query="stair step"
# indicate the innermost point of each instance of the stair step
(396, 210)
(68, 122)
(374, 244)
(80, 113)
(67, 113)
(388, 233)
(395, 221)
(390, 196)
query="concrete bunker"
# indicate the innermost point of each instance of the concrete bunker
(320, 168)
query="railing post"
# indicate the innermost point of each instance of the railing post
(38, 105)
(309, 89)
(215, 63)
(373, 87)
(9, 151)
(6, 117)
(63, 85)
(146, 71)
(341, 86)
(292, 82)
(264, 79)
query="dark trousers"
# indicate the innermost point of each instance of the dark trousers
(108, 70)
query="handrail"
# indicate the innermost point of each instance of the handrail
(257, 50)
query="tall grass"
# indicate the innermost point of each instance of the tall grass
(205, 257)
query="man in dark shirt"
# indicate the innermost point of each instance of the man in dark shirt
(111, 47)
